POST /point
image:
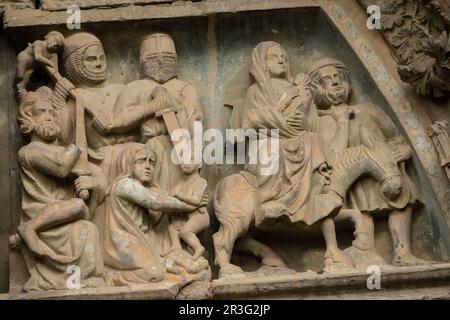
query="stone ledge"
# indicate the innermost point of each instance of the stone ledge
(29, 17)
(421, 282)
(173, 287)
(58, 5)
(156, 291)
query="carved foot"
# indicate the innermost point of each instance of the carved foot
(198, 252)
(230, 270)
(408, 259)
(337, 256)
(39, 248)
(179, 259)
(364, 258)
(363, 241)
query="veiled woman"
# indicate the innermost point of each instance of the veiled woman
(294, 190)
(137, 237)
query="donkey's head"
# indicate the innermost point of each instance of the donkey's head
(384, 168)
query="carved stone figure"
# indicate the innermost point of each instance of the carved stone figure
(133, 207)
(55, 225)
(303, 191)
(40, 53)
(438, 133)
(107, 127)
(181, 108)
(345, 126)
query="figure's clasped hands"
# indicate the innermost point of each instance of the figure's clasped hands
(161, 99)
(101, 122)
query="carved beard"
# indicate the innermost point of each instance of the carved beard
(79, 75)
(47, 131)
(160, 69)
(326, 98)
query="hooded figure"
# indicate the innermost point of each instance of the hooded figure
(136, 234)
(127, 249)
(294, 190)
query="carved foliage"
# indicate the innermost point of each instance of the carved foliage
(418, 32)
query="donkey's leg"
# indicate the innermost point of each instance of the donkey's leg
(400, 228)
(269, 257)
(224, 240)
(364, 231)
(333, 252)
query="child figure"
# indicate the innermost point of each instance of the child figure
(192, 190)
(40, 53)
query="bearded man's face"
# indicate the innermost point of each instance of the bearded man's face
(44, 117)
(333, 89)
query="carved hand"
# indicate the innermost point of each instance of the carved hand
(288, 96)
(161, 97)
(101, 122)
(85, 183)
(402, 152)
(205, 199)
(341, 112)
(297, 120)
(66, 84)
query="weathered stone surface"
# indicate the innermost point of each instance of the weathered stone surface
(396, 283)
(16, 4)
(97, 108)
(58, 5)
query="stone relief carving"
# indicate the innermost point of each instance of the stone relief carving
(344, 126)
(438, 133)
(418, 33)
(304, 189)
(142, 221)
(55, 226)
(99, 175)
(38, 54)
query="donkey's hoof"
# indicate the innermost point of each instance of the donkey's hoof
(273, 261)
(337, 259)
(231, 270)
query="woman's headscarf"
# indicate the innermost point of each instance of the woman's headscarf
(261, 111)
(123, 168)
(260, 72)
